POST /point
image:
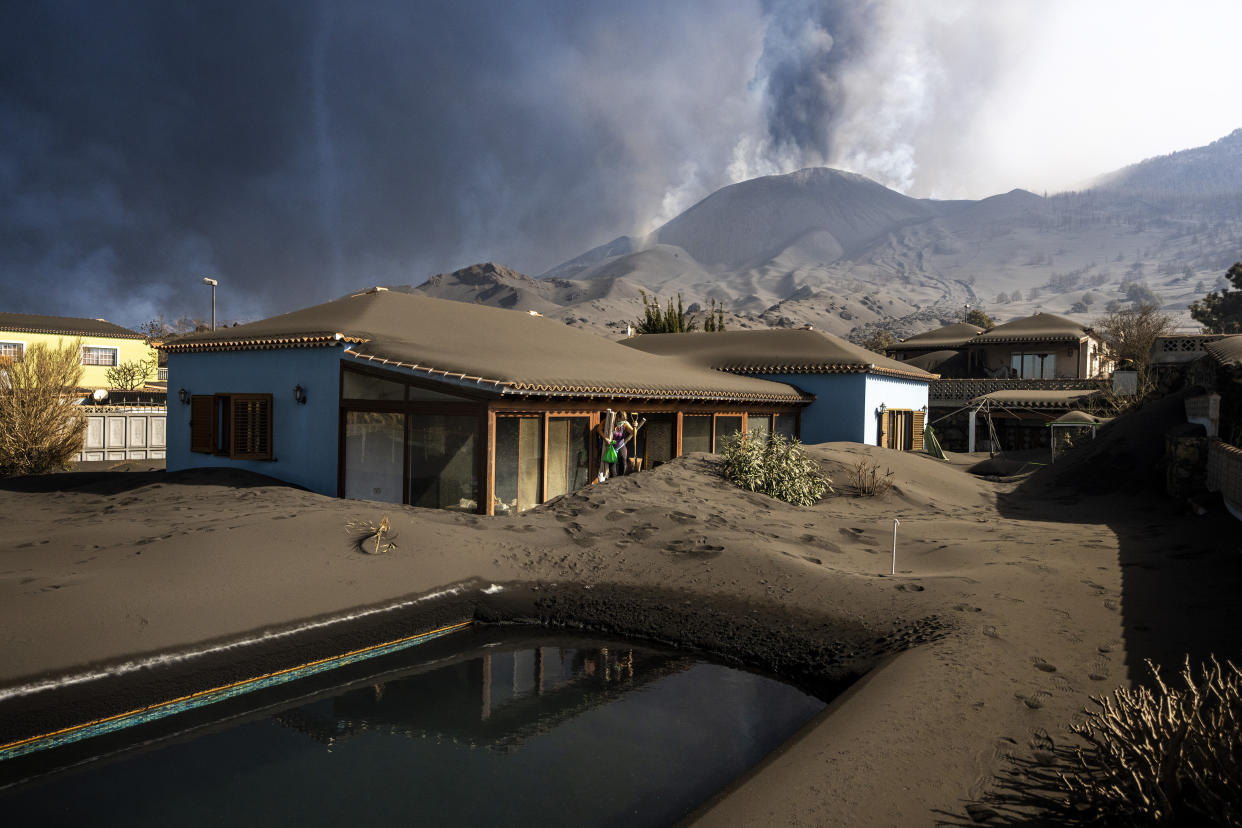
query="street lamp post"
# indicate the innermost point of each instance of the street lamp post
(212, 283)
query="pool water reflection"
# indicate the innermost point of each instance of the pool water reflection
(506, 728)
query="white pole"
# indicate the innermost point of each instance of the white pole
(896, 523)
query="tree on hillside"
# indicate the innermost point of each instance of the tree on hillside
(715, 319)
(663, 320)
(1128, 333)
(41, 423)
(977, 316)
(878, 341)
(1221, 312)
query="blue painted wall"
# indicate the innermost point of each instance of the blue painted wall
(304, 437)
(845, 404)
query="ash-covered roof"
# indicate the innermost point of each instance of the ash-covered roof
(65, 325)
(1072, 398)
(947, 337)
(774, 351)
(499, 351)
(1226, 351)
(1042, 327)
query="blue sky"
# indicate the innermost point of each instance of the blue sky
(296, 150)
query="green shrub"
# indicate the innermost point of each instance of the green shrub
(1165, 757)
(41, 423)
(775, 467)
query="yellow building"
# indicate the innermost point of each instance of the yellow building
(104, 344)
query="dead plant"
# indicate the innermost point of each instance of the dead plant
(364, 531)
(1167, 756)
(866, 480)
(41, 422)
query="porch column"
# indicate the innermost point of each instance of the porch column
(970, 432)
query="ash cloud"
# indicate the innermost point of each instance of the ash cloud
(298, 150)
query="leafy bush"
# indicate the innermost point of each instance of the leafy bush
(775, 467)
(41, 424)
(866, 480)
(1169, 756)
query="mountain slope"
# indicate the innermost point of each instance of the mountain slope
(845, 254)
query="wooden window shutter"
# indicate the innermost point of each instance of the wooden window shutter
(916, 442)
(884, 419)
(203, 423)
(250, 427)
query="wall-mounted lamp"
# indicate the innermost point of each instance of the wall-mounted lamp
(299, 394)
(880, 411)
(184, 396)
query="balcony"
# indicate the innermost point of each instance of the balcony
(944, 393)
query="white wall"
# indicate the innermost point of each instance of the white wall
(893, 393)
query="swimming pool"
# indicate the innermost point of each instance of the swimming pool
(492, 726)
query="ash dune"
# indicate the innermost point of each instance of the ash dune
(1014, 600)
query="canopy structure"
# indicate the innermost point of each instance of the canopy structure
(1078, 420)
(1035, 404)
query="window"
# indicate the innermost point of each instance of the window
(902, 429)
(99, 355)
(1034, 366)
(569, 454)
(13, 351)
(519, 464)
(238, 426)
(759, 425)
(726, 426)
(696, 433)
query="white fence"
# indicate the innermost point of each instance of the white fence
(125, 433)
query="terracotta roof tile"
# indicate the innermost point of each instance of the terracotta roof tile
(774, 351)
(65, 325)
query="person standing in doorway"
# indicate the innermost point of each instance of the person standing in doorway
(621, 434)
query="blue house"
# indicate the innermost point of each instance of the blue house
(859, 396)
(395, 397)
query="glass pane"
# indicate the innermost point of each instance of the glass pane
(657, 442)
(355, 386)
(786, 426)
(1015, 365)
(374, 443)
(1049, 366)
(759, 424)
(443, 463)
(428, 395)
(696, 433)
(568, 454)
(726, 427)
(519, 463)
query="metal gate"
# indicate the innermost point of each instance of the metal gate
(125, 433)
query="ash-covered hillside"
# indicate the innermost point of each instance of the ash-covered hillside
(847, 255)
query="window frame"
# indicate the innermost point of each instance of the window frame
(21, 344)
(224, 436)
(115, 351)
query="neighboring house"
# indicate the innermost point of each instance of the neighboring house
(1021, 375)
(1224, 425)
(860, 396)
(941, 351)
(404, 398)
(104, 344)
(1043, 346)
